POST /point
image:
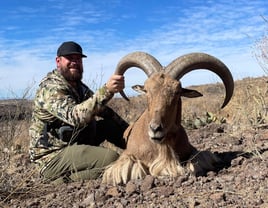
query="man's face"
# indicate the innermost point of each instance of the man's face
(71, 67)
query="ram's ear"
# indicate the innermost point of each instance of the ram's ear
(139, 89)
(190, 93)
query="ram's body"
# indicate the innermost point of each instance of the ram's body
(157, 144)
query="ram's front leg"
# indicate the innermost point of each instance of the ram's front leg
(126, 168)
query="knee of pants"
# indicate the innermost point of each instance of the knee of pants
(109, 156)
(86, 154)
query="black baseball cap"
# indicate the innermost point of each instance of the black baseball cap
(70, 47)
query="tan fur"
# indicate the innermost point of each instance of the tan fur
(127, 167)
(166, 164)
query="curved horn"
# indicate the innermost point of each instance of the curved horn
(194, 61)
(142, 60)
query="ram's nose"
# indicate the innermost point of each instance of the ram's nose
(156, 132)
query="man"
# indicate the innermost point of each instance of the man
(69, 121)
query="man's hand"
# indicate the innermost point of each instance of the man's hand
(116, 83)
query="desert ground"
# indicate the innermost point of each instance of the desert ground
(238, 134)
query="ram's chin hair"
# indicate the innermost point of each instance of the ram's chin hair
(157, 140)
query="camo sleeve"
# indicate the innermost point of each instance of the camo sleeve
(59, 103)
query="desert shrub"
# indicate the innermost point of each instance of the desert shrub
(14, 118)
(260, 50)
(260, 92)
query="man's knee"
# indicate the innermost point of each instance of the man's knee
(108, 156)
(99, 156)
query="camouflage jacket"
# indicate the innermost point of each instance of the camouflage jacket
(58, 104)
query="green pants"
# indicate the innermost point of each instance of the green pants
(78, 162)
(85, 159)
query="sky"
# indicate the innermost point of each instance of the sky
(32, 30)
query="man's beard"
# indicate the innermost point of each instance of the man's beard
(72, 76)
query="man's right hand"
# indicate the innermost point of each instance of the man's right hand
(116, 83)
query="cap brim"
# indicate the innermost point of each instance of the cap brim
(70, 53)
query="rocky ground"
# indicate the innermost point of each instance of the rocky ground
(242, 182)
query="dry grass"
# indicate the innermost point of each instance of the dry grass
(247, 108)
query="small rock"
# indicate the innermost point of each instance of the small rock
(217, 197)
(237, 161)
(193, 203)
(88, 201)
(147, 183)
(113, 191)
(166, 191)
(6, 150)
(130, 188)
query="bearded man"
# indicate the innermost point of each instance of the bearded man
(70, 121)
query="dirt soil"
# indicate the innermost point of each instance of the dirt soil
(242, 182)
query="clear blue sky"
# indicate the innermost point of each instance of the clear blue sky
(32, 30)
